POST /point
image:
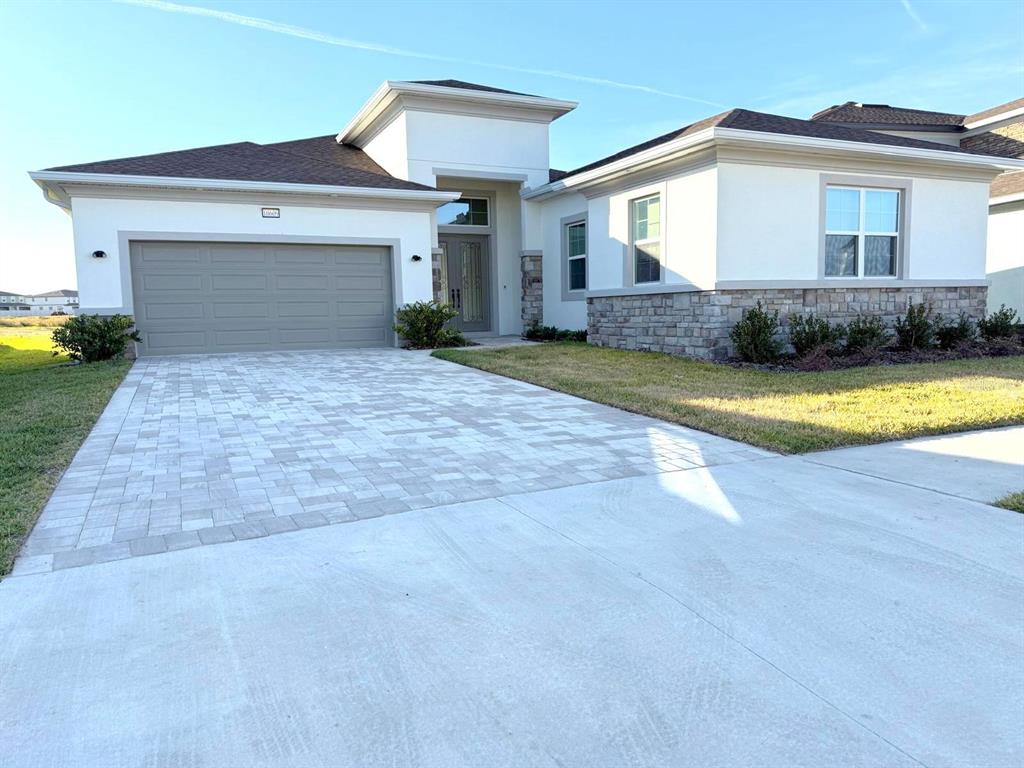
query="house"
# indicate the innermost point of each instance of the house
(443, 189)
(997, 131)
(25, 304)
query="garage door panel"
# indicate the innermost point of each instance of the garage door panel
(281, 297)
(236, 309)
(238, 255)
(165, 310)
(171, 282)
(229, 282)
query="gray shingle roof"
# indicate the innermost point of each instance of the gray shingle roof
(63, 292)
(463, 85)
(318, 160)
(748, 120)
(882, 114)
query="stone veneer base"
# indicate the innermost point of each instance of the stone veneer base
(533, 289)
(697, 323)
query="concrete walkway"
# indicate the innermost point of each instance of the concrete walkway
(982, 466)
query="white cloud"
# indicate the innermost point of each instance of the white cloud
(915, 16)
(320, 37)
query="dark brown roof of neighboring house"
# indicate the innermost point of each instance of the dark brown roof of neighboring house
(1011, 183)
(1007, 107)
(319, 160)
(463, 85)
(554, 174)
(993, 143)
(748, 120)
(884, 115)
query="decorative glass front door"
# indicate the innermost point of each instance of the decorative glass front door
(465, 280)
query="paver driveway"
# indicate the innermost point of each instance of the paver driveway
(208, 449)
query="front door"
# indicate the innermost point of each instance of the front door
(465, 280)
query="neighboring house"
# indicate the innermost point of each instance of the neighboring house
(63, 301)
(443, 189)
(997, 131)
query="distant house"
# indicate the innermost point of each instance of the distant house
(998, 131)
(443, 189)
(64, 301)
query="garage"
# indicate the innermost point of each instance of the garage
(199, 297)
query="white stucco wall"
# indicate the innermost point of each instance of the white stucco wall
(105, 284)
(936, 137)
(564, 314)
(1005, 260)
(474, 144)
(688, 236)
(769, 219)
(389, 148)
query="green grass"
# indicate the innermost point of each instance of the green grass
(1014, 502)
(787, 412)
(46, 410)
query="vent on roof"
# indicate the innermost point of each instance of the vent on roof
(873, 106)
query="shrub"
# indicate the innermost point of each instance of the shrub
(810, 333)
(866, 334)
(89, 338)
(916, 329)
(538, 332)
(953, 333)
(422, 325)
(1001, 324)
(754, 335)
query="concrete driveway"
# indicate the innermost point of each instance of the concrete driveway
(758, 611)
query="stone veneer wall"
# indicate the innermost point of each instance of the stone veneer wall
(533, 289)
(697, 323)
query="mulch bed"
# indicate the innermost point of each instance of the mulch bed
(825, 360)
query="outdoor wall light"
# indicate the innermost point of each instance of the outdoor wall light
(417, 257)
(99, 254)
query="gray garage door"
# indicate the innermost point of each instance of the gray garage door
(239, 297)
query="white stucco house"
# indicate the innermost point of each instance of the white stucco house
(444, 189)
(64, 301)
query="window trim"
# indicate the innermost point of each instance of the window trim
(862, 183)
(566, 222)
(660, 239)
(465, 199)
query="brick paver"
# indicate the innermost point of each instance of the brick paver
(198, 450)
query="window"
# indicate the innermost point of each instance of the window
(861, 231)
(469, 211)
(646, 222)
(576, 255)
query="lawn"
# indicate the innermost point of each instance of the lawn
(46, 410)
(787, 412)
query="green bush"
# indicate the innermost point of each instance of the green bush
(865, 334)
(755, 335)
(1001, 324)
(422, 325)
(916, 329)
(89, 338)
(538, 332)
(810, 333)
(952, 333)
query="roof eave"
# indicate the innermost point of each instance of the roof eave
(390, 90)
(810, 143)
(52, 183)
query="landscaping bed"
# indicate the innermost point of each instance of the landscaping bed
(790, 412)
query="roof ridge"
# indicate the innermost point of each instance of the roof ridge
(157, 154)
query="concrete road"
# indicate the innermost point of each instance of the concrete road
(774, 612)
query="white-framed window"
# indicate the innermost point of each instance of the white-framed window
(862, 231)
(576, 255)
(645, 216)
(464, 212)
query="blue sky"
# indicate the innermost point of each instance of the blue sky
(87, 81)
